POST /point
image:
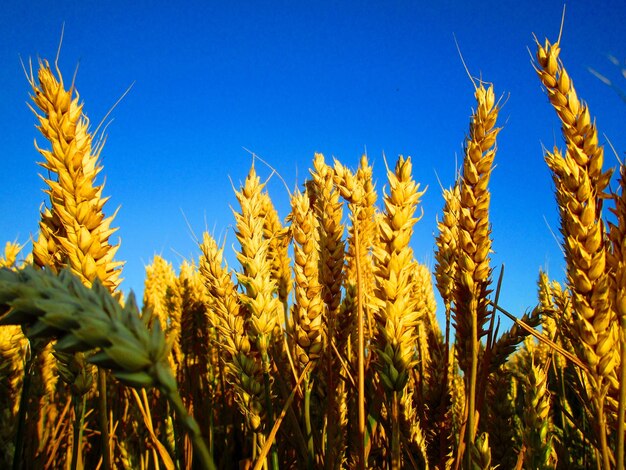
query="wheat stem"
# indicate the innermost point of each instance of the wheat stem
(268, 406)
(307, 422)
(287, 406)
(192, 429)
(103, 419)
(78, 429)
(361, 351)
(396, 456)
(621, 410)
(329, 212)
(21, 417)
(471, 400)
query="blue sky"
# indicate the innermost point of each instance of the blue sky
(287, 79)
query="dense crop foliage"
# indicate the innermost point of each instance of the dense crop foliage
(321, 348)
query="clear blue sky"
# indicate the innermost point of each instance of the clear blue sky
(287, 79)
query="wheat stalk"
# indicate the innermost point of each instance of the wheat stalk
(242, 361)
(580, 189)
(159, 276)
(396, 313)
(158, 303)
(616, 259)
(308, 332)
(473, 273)
(429, 334)
(431, 384)
(474, 244)
(359, 190)
(73, 230)
(329, 213)
(259, 295)
(446, 246)
(446, 250)
(198, 346)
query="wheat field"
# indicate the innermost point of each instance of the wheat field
(321, 348)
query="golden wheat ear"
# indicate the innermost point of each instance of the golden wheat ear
(260, 290)
(159, 276)
(242, 364)
(580, 190)
(308, 308)
(73, 229)
(537, 419)
(278, 249)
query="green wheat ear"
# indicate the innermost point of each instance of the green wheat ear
(48, 305)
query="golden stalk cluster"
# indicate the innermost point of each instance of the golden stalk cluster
(358, 189)
(580, 189)
(323, 349)
(159, 276)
